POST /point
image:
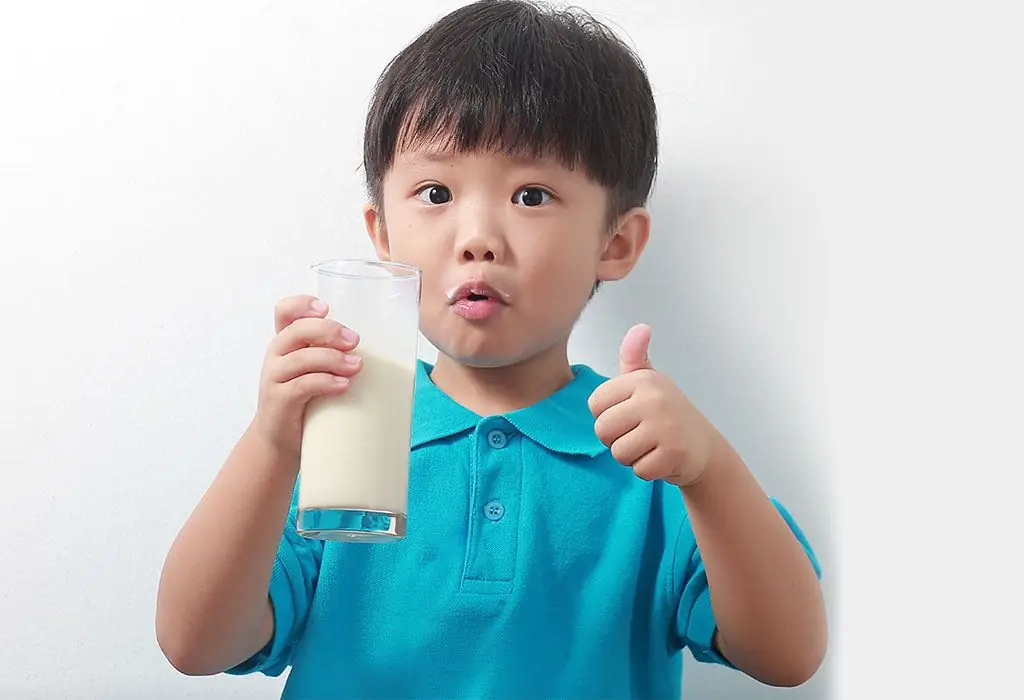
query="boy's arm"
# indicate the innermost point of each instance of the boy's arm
(746, 572)
(213, 609)
(765, 593)
(237, 584)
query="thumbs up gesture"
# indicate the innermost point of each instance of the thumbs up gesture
(648, 422)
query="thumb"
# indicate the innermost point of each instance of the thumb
(633, 354)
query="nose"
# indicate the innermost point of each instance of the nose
(478, 249)
(480, 237)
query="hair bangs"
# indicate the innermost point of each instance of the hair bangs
(510, 76)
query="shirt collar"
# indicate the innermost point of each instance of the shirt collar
(562, 422)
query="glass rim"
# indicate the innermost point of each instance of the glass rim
(330, 267)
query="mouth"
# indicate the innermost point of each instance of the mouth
(477, 291)
(477, 301)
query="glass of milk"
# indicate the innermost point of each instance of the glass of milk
(354, 467)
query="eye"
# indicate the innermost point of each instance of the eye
(531, 197)
(434, 194)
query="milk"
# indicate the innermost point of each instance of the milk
(355, 447)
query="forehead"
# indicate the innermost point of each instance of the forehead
(432, 156)
(445, 150)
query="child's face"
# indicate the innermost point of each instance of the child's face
(532, 229)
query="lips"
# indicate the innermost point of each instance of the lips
(476, 291)
(477, 301)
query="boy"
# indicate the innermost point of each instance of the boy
(568, 534)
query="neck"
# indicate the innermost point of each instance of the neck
(491, 391)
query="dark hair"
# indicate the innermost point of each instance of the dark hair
(517, 76)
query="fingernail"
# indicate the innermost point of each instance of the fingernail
(341, 380)
(319, 306)
(349, 335)
(353, 360)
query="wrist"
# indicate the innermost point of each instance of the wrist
(720, 461)
(270, 451)
(693, 482)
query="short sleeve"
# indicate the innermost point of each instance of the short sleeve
(292, 584)
(695, 621)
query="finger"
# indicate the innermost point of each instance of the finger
(631, 447)
(634, 351)
(314, 360)
(646, 467)
(320, 384)
(308, 332)
(614, 391)
(290, 309)
(616, 422)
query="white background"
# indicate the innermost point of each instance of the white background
(830, 278)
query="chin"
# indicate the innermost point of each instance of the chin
(478, 355)
(492, 348)
(478, 360)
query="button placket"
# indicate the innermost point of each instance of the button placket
(492, 547)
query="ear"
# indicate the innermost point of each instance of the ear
(623, 247)
(377, 230)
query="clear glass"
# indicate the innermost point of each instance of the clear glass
(354, 469)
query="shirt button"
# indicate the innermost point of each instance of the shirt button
(497, 439)
(494, 511)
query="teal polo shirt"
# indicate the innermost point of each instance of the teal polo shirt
(534, 566)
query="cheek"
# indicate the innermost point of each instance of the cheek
(567, 273)
(406, 238)
(416, 250)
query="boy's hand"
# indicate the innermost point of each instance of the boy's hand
(648, 422)
(308, 357)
